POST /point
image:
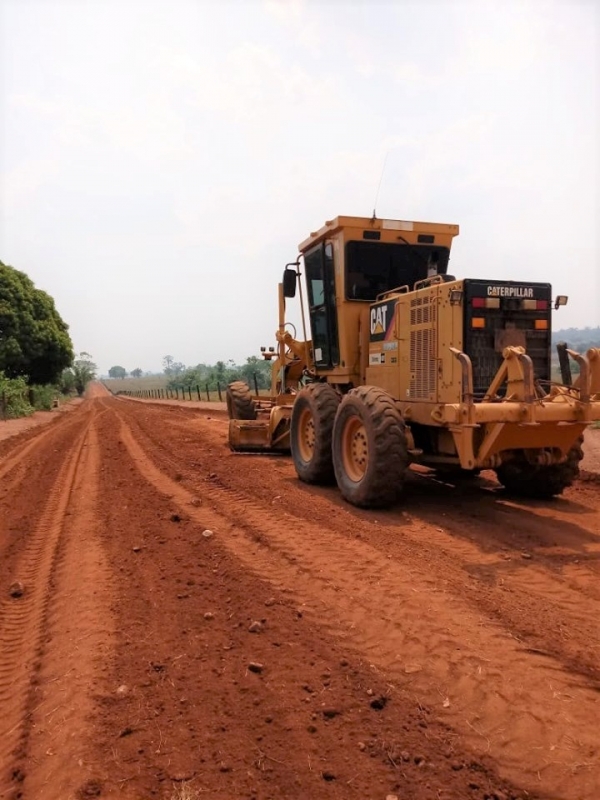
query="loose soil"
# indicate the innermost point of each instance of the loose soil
(180, 621)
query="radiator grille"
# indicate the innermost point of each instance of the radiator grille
(423, 348)
(486, 361)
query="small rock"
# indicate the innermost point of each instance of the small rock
(405, 755)
(526, 555)
(126, 732)
(270, 601)
(16, 589)
(207, 534)
(456, 766)
(362, 747)
(195, 501)
(136, 549)
(123, 690)
(330, 713)
(411, 668)
(419, 760)
(311, 728)
(255, 627)
(268, 719)
(327, 775)
(255, 666)
(343, 662)
(391, 797)
(224, 767)
(209, 615)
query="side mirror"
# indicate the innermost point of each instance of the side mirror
(561, 300)
(290, 278)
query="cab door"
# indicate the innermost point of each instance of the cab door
(320, 280)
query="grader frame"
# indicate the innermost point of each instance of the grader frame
(519, 426)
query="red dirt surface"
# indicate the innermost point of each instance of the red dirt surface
(446, 649)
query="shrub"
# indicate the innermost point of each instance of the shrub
(14, 398)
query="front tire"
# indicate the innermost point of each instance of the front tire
(313, 415)
(370, 452)
(521, 478)
(240, 404)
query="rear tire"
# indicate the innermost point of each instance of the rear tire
(541, 482)
(313, 415)
(370, 452)
(240, 404)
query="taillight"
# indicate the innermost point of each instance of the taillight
(535, 305)
(478, 322)
(485, 302)
(541, 324)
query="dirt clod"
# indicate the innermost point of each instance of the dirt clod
(16, 589)
(255, 666)
(379, 703)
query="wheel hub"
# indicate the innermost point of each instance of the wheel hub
(355, 449)
(307, 436)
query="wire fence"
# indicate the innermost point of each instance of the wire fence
(188, 392)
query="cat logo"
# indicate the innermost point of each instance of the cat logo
(378, 320)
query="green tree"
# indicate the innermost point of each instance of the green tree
(83, 370)
(168, 365)
(136, 373)
(118, 372)
(34, 340)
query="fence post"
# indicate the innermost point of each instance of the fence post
(198, 392)
(255, 384)
(219, 391)
(207, 393)
(190, 391)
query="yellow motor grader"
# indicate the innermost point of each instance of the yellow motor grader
(405, 363)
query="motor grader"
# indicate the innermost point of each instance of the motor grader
(407, 364)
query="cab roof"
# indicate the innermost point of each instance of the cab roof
(355, 224)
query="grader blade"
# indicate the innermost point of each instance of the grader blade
(268, 434)
(249, 436)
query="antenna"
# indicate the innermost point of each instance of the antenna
(379, 184)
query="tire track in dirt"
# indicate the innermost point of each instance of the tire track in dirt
(30, 626)
(539, 728)
(538, 600)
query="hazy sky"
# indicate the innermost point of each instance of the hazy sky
(161, 161)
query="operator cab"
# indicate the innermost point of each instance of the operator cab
(351, 261)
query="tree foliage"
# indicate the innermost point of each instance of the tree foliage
(117, 372)
(34, 340)
(80, 374)
(219, 374)
(136, 373)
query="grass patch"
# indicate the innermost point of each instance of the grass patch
(185, 792)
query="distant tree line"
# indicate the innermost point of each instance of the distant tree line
(206, 375)
(219, 374)
(580, 339)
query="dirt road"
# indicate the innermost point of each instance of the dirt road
(178, 619)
